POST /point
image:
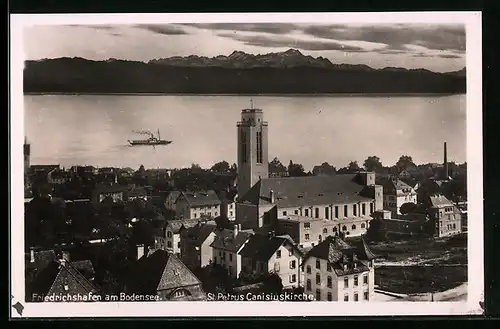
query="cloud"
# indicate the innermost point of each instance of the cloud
(434, 37)
(95, 27)
(285, 41)
(449, 56)
(165, 29)
(274, 28)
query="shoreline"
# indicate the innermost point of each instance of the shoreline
(246, 94)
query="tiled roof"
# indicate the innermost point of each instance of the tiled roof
(200, 232)
(42, 258)
(173, 195)
(391, 184)
(200, 199)
(159, 271)
(53, 278)
(439, 201)
(85, 267)
(339, 253)
(175, 225)
(308, 190)
(262, 247)
(225, 240)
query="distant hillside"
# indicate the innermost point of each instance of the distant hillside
(286, 72)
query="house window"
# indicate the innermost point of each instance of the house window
(231, 213)
(243, 143)
(307, 225)
(371, 208)
(354, 210)
(290, 252)
(318, 294)
(195, 215)
(284, 213)
(259, 147)
(328, 267)
(230, 270)
(327, 213)
(363, 209)
(318, 278)
(169, 234)
(362, 225)
(318, 264)
(320, 238)
(344, 228)
(336, 211)
(329, 282)
(329, 296)
(356, 297)
(230, 257)
(353, 227)
(346, 282)
(325, 230)
(355, 280)
(316, 212)
(180, 293)
(278, 254)
(169, 244)
(293, 278)
(276, 267)
(224, 254)
(306, 212)
(345, 211)
(346, 298)
(296, 212)
(308, 269)
(334, 229)
(308, 284)
(365, 279)
(307, 237)
(292, 264)
(366, 295)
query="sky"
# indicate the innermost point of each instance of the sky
(439, 48)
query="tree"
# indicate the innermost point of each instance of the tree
(372, 163)
(353, 167)
(324, 169)
(220, 167)
(405, 162)
(407, 208)
(295, 169)
(275, 166)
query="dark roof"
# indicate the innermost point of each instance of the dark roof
(56, 275)
(138, 191)
(439, 200)
(42, 258)
(262, 247)
(173, 195)
(112, 189)
(199, 199)
(342, 257)
(302, 191)
(159, 271)
(225, 240)
(85, 267)
(200, 232)
(46, 168)
(393, 184)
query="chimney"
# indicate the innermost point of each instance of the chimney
(32, 255)
(239, 227)
(65, 255)
(140, 251)
(271, 196)
(445, 163)
(236, 230)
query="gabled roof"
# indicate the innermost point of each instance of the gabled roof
(85, 267)
(56, 276)
(262, 247)
(225, 240)
(200, 199)
(439, 200)
(159, 271)
(173, 195)
(200, 232)
(393, 184)
(342, 257)
(308, 190)
(176, 224)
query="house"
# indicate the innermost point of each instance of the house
(162, 275)
(406, 225)
(337, 271)
(170, 200)
(446, 216)
(228, 204)
(196, 251)
(191, 205)
(59, 280)
(172, 232)
(58, 177)
(397, 193)
(117, 193)
(226, 247)
(264, 254)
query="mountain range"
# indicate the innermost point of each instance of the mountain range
(284, 72)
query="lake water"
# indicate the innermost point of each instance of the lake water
(94, 129)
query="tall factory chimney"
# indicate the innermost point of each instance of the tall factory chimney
(446, 172)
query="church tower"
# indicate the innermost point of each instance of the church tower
(253, 161)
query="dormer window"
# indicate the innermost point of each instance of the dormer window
(345, 267)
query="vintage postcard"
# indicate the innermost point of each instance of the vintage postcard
(184, 165)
